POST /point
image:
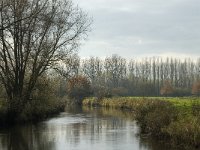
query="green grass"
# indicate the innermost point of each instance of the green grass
(184, 103)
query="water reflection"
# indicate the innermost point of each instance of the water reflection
(79, 129)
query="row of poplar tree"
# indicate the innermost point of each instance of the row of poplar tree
(153, 76)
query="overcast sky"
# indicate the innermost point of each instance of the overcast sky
(140, 28)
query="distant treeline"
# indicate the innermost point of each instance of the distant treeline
(154, 76)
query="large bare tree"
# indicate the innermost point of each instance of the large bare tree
(34, 36)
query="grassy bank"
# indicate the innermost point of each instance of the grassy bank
(176, 119)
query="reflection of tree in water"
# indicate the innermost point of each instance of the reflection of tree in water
(150, 143)
(3, 139)
(73, 109)
(43, 140)
(103, 126)
(18, 140)
(99, 121)
(26, 138)
(112, 112)
(73, 133)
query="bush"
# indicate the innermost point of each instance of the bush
(119, 91)
(155, 115)
(167, 89)
(78, 88)
(196, 88)
(41, 108)
(44, 102)
(181, 92)
(184, 130)
(90, 102)
(196, 109)
(101, 92)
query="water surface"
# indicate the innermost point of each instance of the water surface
(80, 129)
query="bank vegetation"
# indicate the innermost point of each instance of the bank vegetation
(174, 119)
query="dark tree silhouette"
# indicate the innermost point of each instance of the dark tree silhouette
(35, 35)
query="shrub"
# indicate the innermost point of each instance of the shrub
(154, 115)
(167, 89)
(78, 88)
(196, 109)
(181, 92)
(119, 91)
(44, 102)
(90, 102)
(101, 92)
(184, 130)
(196, 88)
(41, 108)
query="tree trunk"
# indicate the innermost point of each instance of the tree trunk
(15, 107)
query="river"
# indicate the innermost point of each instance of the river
(81, 129)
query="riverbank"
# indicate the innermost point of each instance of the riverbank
(175, 119)
(36, 110)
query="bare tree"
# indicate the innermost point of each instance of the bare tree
(93, 69)
(115, 67)
(69, 67)
(35, 35)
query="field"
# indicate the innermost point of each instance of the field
(182, 103)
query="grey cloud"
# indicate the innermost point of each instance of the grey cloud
(143, 27)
